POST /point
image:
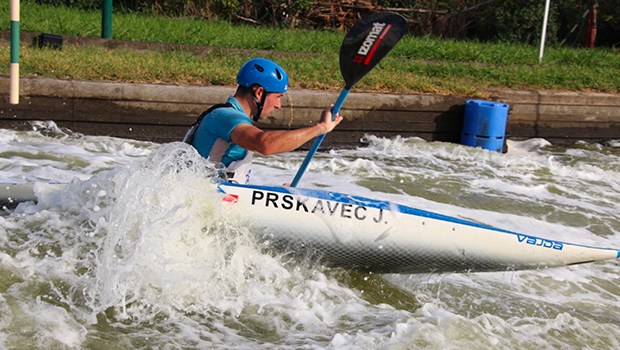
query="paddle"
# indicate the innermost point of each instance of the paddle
(370, 39)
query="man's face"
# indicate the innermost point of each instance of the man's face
(272, 101)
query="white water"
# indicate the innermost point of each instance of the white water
(136, 254)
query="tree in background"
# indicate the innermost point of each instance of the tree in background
(518, 21)
(515, 21)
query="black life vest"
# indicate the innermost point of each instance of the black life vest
(191, 132)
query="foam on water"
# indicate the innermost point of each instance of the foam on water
(50, 154)
(139, 251)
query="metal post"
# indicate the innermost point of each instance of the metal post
(591, 37)
(14, 73)
(106, 19)
(543, 35)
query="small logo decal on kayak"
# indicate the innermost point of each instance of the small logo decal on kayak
(545, 243)
(230, 198)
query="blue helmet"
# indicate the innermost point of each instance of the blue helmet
(265, 73)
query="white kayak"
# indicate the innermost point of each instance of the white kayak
(375, 236)
(379, 236)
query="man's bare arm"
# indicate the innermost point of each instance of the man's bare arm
(279, 141)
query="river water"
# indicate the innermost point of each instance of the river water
(135, 253)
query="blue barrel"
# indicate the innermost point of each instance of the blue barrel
(485, 125)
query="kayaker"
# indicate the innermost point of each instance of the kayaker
(225, 133)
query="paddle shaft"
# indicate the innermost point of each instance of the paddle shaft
(317, 142)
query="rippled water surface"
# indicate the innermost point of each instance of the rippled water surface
(136, 252)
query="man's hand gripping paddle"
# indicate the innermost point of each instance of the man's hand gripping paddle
(370, 39)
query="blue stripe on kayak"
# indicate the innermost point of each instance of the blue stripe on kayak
(386, 205)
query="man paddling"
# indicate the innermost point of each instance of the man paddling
(225, 134)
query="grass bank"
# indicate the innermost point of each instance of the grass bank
(416, 65)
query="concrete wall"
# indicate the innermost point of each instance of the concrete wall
(562, 116)
(162, 113)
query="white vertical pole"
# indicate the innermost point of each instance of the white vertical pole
(14, 74)
(543, 35)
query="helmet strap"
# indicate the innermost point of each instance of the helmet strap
(259, 105)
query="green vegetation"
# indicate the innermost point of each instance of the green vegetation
(515, 21)
(416, 65)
